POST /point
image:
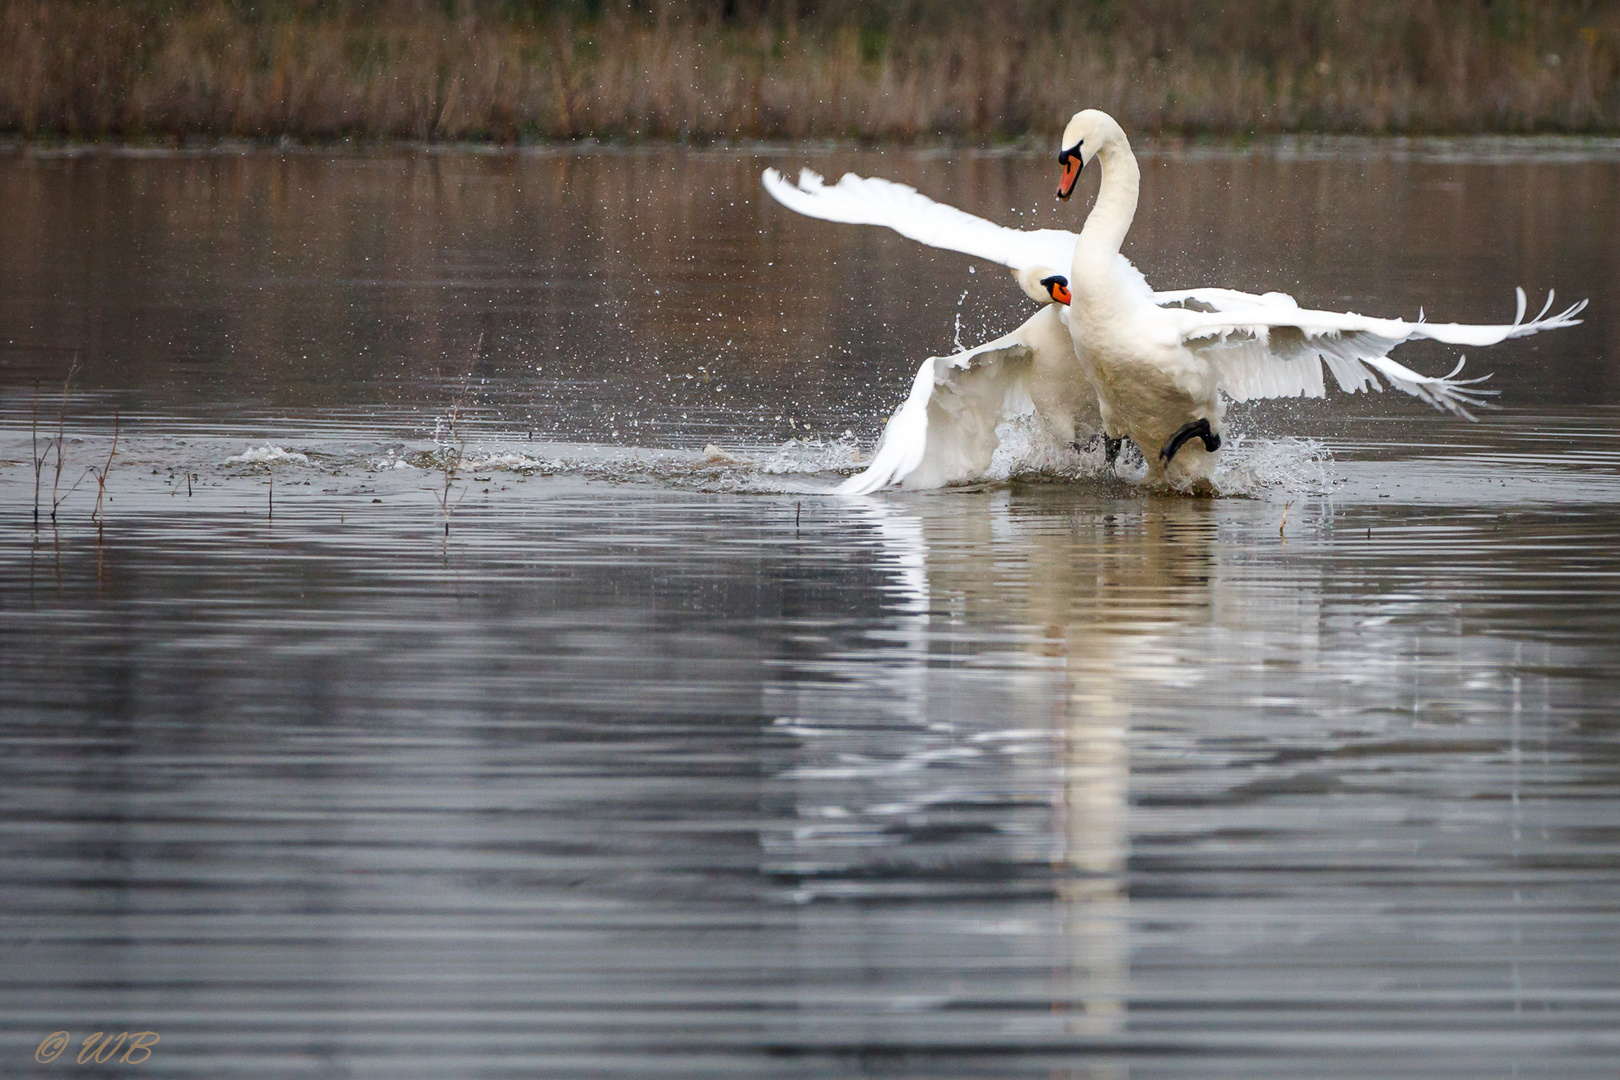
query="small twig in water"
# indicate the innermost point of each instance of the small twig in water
(1284, 521)
(175, 490)
(99, 514)
(34, 454)
(61, 434)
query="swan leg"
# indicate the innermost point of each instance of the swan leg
(1199, 429)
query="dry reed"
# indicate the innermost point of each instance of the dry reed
(99, 514)
(58, 441)
(506, 70)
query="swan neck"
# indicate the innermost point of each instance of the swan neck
(1110, 217)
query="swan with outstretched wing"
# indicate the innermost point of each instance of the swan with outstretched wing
(1154, 359)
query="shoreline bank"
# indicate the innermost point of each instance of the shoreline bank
(1303, 146)
(889, 73)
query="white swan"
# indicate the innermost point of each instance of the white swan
(945, 430)
(1160, 361)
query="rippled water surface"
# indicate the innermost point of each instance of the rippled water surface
(652, 758)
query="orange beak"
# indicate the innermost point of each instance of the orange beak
(1061, 294)
(1071, 173)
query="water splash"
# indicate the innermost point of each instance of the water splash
(267, 455)
(1249, 466)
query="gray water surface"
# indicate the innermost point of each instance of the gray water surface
(651, 758)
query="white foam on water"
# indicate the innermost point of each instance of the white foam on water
(390, 461)
(510, 462)
(267, 455)
(808, 456)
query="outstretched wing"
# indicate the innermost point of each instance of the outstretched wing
(856, 200)
(945, 431)
(1277, 349)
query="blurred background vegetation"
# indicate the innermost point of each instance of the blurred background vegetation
(893, 70)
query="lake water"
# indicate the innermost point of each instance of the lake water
(652, 760)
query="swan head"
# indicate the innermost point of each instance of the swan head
(1043, 285)
(1088, 132)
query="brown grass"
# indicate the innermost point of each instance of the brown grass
(904, 70)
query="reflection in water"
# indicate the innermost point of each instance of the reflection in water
(1024, 627)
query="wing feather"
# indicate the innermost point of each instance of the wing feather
(856, 200)
(1277, 349)
(945, 430)
(1198, 324)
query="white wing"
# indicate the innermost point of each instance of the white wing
(945, 431)
(1277, 349)
(856, 200)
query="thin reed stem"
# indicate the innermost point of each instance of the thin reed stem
(98, 515)
(60, 440)
(35, 455)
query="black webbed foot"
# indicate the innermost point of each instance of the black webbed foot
(1196, 429)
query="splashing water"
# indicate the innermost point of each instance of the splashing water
(1249, 466)
(268, 455)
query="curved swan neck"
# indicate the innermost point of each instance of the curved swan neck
(1110, 217)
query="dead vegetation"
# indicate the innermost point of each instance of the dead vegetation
(903, 70)
(54, 444)
(42, 453)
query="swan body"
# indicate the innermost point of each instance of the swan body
(1159, 364)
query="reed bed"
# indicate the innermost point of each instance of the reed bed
(919, 70)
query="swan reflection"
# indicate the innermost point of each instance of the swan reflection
(908, 791)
